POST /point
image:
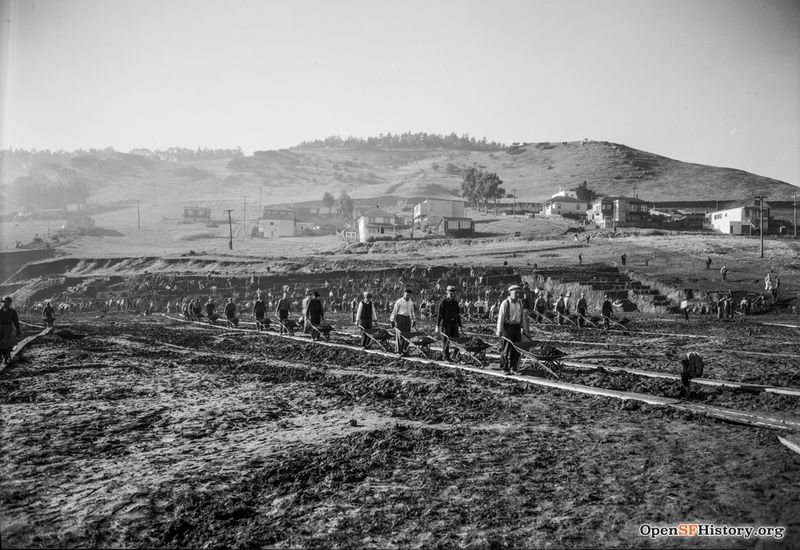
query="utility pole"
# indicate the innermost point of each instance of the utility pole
(244, 223)
(794, 224)
(138, 218)
(761, 222)
(230, 230)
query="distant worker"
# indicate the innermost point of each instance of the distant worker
(260, 313)
(211, 311)
(230, 314)
(724, 272)
(624, 258)
(403, 319)
(283, 307)
(561, 309)
(9, 320)
(582, 308)
(449, 320)
(607, 311)
(314, 314)
(708, 263)
(366, 315)
(48, 315)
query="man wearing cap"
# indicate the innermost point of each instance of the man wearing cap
(511, 323)
(211, 311)
(582, 310)
(403, 319)
(230, 313)
(449, 320)
(9, 320)
(607, 311)
(365, 316)
(539, 307)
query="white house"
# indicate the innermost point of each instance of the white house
(275, 223)
(740, 219)
(431, 211)
(565, 206)
(375, 223)
(619, 212)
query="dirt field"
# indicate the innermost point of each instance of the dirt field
(152, 433)
(124, 430)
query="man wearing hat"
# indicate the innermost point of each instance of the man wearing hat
(365, 316)
(511, 323)
(211, 311)
(561, 308)
(403, 319)
(48, 314)
(230, 313)
(8, 320)
(607, 311)
(449, 320)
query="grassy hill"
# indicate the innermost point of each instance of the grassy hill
(535, 170)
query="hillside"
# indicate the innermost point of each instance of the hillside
(535, 170)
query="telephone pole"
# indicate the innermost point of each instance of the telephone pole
(244, 223)
(138, 218)
(794, 224)
(230, 230)
(761, 222)
(514, 210)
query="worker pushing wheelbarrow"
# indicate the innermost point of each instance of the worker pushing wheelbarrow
(378, 336)
(544, 356)
(468, 348)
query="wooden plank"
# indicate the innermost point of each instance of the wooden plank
(21, 345)
(791, 442)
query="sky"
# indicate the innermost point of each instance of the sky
(707, 81)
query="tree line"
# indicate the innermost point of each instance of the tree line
(481, 186)
(407, 140)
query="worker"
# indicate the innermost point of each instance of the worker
(449, 320)
(607, 311)
(211, 311)
(582, 308)
(196, 311)
(724, 272)
(9, 321)
(230, 313)
(260, 313)
(48, 314)
(561, 309)
(313, 314)
(283, 307)
(708, 263)
(366, 315)
(403, 319)
(511, 324)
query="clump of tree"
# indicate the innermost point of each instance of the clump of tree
(328, 201)
(407, 140)
(345, 206)
(42, 192)
(584, 193)
(481, 186)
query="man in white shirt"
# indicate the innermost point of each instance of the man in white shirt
(511, 323)
(403, 319)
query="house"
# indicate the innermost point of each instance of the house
(562, 205)
(619, 212)
(737, 218)
(430, 211)
(277, 223)
(455, 227)
(375, 223)
(348, 235)
(196, 214)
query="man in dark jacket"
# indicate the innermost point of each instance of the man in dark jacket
(9, 320)
(607, 312)
(314, 314)
(449, 320)
(230, 313)
(260, 313)
(48, 314)
(211, 311)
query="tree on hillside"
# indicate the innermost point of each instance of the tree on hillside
(491, 190)
(345, 207)
(470, 186)
(328, 201)
(582, 192)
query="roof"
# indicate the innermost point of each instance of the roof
(278, 216)
(455, 219)
(732, 205)
(564, 199)
(374, 224)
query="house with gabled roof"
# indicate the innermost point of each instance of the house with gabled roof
(376, 223)
(608, 212)
(740, 217)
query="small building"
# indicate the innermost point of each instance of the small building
(376, 223)
(277, 223)
(565, 206)
(80, 222)
(740, 218)
(455, 227)
(348, 235)
(196, 214)
(430, 211)
(608, 212)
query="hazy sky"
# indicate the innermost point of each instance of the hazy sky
(708, 81)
